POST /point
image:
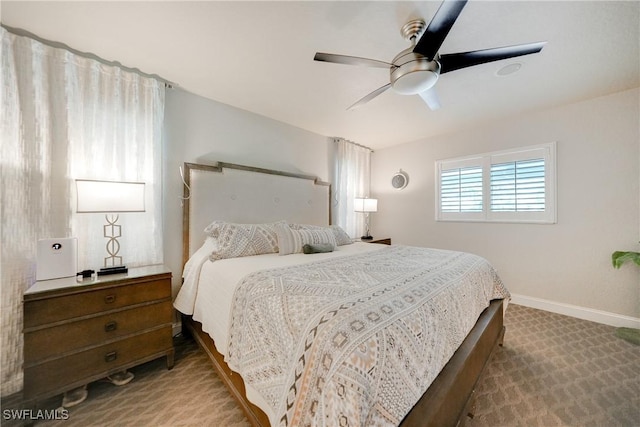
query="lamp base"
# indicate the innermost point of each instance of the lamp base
(112, 270)
(366, 238)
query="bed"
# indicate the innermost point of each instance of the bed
(362, 334)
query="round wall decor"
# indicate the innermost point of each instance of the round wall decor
(400, 180)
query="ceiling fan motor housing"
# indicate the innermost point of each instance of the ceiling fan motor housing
(413, 73)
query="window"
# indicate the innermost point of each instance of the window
(461, 189)
(506, 186)
(518, 186)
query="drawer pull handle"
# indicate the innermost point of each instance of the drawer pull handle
(111, 356)
(111, 326)
(110, 299)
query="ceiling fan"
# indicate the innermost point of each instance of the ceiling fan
(415, 70)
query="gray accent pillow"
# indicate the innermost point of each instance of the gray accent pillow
(317, 248)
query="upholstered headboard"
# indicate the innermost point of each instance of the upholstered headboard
(244, 194)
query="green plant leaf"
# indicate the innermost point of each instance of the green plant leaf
(619, 257)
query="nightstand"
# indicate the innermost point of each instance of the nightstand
(76, 332)
(385, 241)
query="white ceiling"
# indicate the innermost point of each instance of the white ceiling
(258, 56)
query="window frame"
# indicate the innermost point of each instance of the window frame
(545, 151)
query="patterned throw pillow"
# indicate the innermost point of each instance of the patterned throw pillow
(238, 240)
(213, 229)
(342, 238)
(291, 241)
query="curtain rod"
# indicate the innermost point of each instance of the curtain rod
(337, 138)
(59, 45)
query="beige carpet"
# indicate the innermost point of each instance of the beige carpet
(552, 371)
(555, 370)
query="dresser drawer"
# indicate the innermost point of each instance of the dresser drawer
(43, 311)
(47, 342)
(86, 366)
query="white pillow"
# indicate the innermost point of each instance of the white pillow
(291, 241)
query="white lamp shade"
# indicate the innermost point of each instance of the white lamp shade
(365, 205)
(110, 196)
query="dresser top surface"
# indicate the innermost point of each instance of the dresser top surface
(78, 283)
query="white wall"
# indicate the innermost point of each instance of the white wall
(563, 267)
(199, 130)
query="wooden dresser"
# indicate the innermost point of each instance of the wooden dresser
(76, 332)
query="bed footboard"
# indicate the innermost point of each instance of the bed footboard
(450, 398)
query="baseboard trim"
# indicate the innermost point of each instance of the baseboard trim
(584, 313)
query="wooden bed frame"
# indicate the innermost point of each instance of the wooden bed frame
(449, 401)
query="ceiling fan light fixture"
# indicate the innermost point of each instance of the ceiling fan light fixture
(413, 73)
(415, 82)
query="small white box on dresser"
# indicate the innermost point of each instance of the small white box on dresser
(57, 258)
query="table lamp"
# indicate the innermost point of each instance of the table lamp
(366, 206)
(110, 198)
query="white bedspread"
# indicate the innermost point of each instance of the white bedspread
(208, 288)
(210, 303)
(455, 285)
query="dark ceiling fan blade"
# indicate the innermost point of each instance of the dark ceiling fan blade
(370, 96)
(456, 61)
(351, 60)
(439, 27)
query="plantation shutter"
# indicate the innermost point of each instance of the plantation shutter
(522, 185)
(461, 190)
(518, 186)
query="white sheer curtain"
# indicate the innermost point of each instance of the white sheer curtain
(352, 168)
(66, 117)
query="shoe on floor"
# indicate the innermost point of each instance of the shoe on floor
(120, 378)
(74, 397)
